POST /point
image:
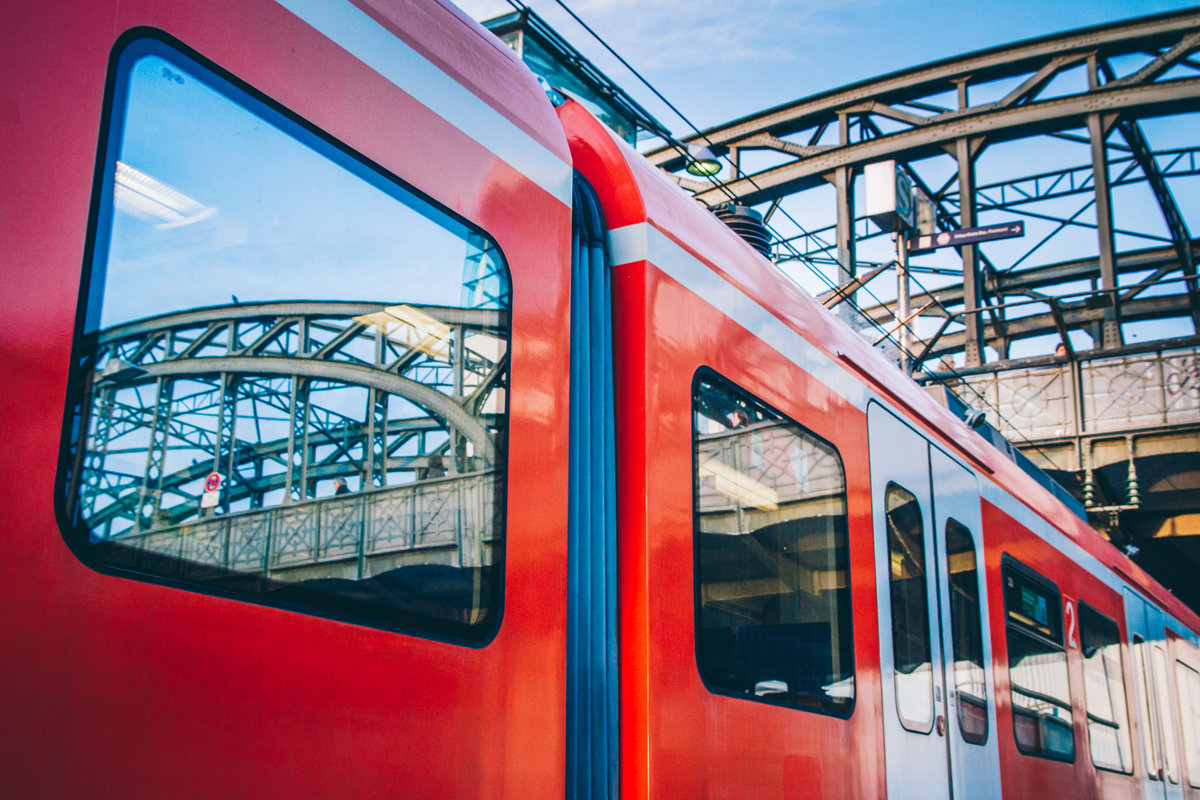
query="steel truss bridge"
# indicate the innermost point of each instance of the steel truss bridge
(400, 404)
(1089, 138)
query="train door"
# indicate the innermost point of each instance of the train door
(912, 678)
(971, 712)
(1152, 696)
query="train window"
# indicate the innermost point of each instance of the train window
(911, 646)
(1188, 681)
(1166, 717)
(1104, 690)
(1154, 768)
(1037, 665)
(771, 555)
(292, 368)
(970, 682)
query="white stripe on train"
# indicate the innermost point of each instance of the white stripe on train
(642, 241)
(372, 44)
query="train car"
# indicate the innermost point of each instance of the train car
(381, 424)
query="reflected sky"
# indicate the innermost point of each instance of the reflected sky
(213, 203)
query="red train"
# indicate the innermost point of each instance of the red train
(566, 493)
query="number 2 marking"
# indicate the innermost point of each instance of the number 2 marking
(1070, 611)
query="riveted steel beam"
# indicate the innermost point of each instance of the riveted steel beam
(1002, 124)
(1039, 56)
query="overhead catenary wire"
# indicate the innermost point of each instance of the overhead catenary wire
(720, 185)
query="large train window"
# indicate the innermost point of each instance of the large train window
(911, 646)
(291, 373)
(1037, 664)
(1188, 681)
(970, 680)
(1104, 690)
(771, 555)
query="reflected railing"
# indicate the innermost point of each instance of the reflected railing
(445, 521)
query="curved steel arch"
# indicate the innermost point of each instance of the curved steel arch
(1053, 85)
(1096, 276)
(176, 382)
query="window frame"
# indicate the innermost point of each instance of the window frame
(922, 727)
(977, 619)
(1010, 565)
(127, 50)
(1189, 689)
(1084, 609)
(706, 374)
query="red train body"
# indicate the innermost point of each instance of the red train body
(818, 583)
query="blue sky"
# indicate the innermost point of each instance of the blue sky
(718, 61)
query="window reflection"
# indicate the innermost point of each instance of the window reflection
(1104, 690)
(1188, 681)
(967, 636)
(773, 595)
(1037, 667)
(911, 646)
(1165, 713)
(298, 367)
(1150, 736)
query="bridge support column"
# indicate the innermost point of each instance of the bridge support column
(297, 458)
(224, 454)
(847, 255)
(972, 280)
(1110, 331)
(150, 496)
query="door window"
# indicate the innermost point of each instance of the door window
(908, 582)
(970, 682)
(1104, 690)
(1189, 713)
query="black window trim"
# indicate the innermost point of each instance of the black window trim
(929, 632)
(1081, 606)
(980, 617)
(706, 373)
(74, 435)
(1009, 563)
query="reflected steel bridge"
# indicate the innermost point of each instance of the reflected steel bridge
(282, 399)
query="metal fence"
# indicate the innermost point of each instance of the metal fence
(455, 515)
(1089, 397)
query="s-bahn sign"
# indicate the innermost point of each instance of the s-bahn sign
(926, 242)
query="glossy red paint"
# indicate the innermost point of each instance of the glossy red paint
(115, 687)
(678, 738)
(118, 688)
(1024, 776)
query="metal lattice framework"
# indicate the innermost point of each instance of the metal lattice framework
(1092, 88)
(280, 397)
(1087, 137)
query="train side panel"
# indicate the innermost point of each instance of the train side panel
(681, 737)
(116, 686)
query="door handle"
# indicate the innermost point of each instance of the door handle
(940, 725)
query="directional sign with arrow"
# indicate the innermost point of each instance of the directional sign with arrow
(927, 242)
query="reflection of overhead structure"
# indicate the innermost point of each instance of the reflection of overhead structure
(1084, 136)
(281, 399)
(759, 481)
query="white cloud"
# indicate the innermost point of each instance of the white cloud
(664, 34)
